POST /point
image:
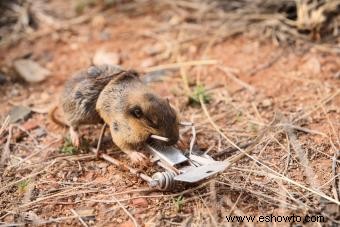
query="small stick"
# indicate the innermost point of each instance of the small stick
(4, 125)
(7, 150)
(186, 123)
(126, 211)
(80, 219)
(266, 65)
(160, 138)
(192, 142)
(335, 183)
(181, 64)
(102, 132)
(228, 72)
(119, 164)
(233, 149)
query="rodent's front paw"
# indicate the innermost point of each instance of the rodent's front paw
(75, 140)
(137, 157)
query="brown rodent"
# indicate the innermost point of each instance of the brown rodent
(119, 98)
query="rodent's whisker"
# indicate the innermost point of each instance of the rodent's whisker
(186, 123)
(160, 138)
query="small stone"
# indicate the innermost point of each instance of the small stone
(193, 49)
(312, 66)
(86, 213)
(148, 63)
(267, 103)
(40, 132)
(337, 75)
(105, 36)
(119, 220)
(98, 22)
(103, 165)
(103, 57)
(74, 46)
(153, 49)
(19, 113)
(140, 202)
(30, 71)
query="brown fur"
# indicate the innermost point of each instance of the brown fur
(111, 95)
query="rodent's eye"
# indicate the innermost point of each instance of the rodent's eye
(137, 112)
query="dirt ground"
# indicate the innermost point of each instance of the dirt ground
(287, 96)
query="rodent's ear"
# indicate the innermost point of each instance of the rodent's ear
(127, 75)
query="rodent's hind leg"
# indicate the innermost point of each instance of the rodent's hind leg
(102, 132)
(74, 136)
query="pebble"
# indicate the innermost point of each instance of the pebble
(19, 113)
(267, 103)
(140, 202)
(153, 49)
(337, 75)
(30, 71)
(148, 63)
(103, 57)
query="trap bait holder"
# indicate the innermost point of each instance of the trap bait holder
(177, 168)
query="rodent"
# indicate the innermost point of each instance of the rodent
(119, 98)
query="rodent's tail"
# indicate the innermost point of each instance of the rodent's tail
(51, 115)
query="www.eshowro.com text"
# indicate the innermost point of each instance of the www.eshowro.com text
(276, 218)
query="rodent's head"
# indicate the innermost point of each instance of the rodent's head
(153, 115)
(135, 112)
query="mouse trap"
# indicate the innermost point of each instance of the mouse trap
(179, 168)
(175, 167)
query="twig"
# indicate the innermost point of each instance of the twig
(101, 135)
(126, 211)
(231, 74)
(266, 65)
(184, 76)
(288, 156)
(213, 219)
(181, 64)
(7, 149)
(302, 157)
(79, 218)
(302, 129)
(242, 145)
(193, 139)
(336, 181)
(4, 125)
(321, 103)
